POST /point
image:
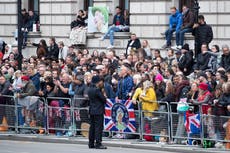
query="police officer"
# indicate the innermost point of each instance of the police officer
(97, 102)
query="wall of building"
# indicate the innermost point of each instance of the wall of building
(149, 19)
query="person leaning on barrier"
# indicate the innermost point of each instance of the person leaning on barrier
(26, 98)
(224, 100)
(97, 101)
(147, 97)
(204, 98)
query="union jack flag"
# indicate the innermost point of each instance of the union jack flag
(192, 123)
(119, 116)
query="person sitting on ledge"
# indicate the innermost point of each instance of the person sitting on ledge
(120, 23)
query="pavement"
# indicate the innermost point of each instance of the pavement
(109, 142)
(40, 147)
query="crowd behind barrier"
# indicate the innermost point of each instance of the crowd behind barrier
(52, 116)
(141, 74)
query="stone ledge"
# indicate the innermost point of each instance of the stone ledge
(187, 36)
(34, 34)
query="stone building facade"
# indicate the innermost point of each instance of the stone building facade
(148, 19)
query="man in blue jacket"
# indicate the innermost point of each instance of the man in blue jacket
(125, 85)
(175, 22)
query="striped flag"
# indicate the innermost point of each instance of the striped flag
(119, 116)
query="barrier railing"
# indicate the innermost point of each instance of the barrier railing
(59, 115)
(31, 115)
(8, 118)
(154, 124)
(63, 116)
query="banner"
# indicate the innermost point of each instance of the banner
(119, 116)
(98, 19)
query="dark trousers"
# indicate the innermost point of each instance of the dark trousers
(197, 49)
(96, 129)
(168, 36)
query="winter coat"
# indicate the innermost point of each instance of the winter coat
(202, 61)
(187, 20)
(186, 61)
(225, 61)
(125, 86)
(203, 34)
(175, 21)
(96, 101)
(118, 20)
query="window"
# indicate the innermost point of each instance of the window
(87, 4)
(188, 3)
(34, 5)
(124, 4)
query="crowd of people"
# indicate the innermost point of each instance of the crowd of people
(141, 74)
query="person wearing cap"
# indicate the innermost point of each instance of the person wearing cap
(97, 102)
(125, 85)
(159, 86)
(178, 55)
(27, 99)
(186, 60)
(28, 88)
(204, 98)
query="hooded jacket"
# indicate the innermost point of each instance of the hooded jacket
(175, 21)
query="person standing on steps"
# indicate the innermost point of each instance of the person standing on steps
(203, 34)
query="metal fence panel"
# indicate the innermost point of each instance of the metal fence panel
(59, 116)
(32, 120)
(7, 113)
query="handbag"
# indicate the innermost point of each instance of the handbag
(182, 106)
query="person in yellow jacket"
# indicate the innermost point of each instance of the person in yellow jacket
(147, 97)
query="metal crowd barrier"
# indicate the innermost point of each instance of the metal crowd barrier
(31, 119)
(178, 130)
(154, 124)
(80, 113)
(64, 116)
(8, 118)
(215, 128)
(59, 116)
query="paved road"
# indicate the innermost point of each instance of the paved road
(36, 147)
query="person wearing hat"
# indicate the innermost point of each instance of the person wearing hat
(26, 98)
(204, 98)
(28, 88)
(97, 102)
(186, 60)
